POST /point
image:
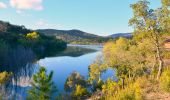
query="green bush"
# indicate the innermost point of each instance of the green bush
(79, 92)
(4, 77)
(132, 92)
(165, 81)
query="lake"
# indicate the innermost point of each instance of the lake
(74, 58)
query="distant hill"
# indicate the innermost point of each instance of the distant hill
(13, 36)
(117, 35)
(74, 36)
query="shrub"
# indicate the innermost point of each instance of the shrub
(110, 88)
(165, 81)
(131, 92)
(79, 92)
(33, 35)
(4, 77)
(113, 91)
(73, 80)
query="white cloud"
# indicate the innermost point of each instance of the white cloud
(27, 4)
(3, 5)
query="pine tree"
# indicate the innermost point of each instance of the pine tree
(43, 87)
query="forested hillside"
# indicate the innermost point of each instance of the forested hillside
(13, 36)
(74, 36)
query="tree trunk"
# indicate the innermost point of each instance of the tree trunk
(158, 53)
(123, 83)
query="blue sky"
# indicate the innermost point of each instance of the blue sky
(102, 17)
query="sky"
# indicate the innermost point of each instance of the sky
(101, 17)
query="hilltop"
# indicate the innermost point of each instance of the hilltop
(74, 36)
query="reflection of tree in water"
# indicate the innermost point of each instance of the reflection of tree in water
(22, 63)
(19, 61)
(74, 51)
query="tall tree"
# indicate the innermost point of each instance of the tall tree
(43, 87)
(152, 24)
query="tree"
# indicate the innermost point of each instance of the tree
(96, 69)
(152, 24)
(33, 35)
(117, 56)
(43, 87)
(74, 79)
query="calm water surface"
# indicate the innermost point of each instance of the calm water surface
(74, 58)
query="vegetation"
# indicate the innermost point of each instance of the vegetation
(139, 62)
(141, 56)
(136, 59)
(165, 81)
(75, 36)
(79, 92)
(4, 77)
(76, 85)
(16, 40)
(43, 87)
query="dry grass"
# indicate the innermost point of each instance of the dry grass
(153, 91)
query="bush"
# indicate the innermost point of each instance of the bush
(33, 35)
(4, 77)
(110, 88)
(165, 81)
(79, 92)
(113, 91)
(132, 92)
(73, 80)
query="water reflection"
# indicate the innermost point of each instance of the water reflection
(19, 61)
(23, 63)
(75, 51)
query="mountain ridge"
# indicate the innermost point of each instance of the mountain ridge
(117, 35)
(74, 36)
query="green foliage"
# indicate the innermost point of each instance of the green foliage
(152, 24)
(129, 58)
(73, 80)
(43, 87)
(166, 2)
(74, 36)
(63, 96)
(12, 36)
(112, 91)
(96, 69)
(110, 88)
(32, 36)
(165, 81)
(98, 85)
(132, 92)
(79, 92)
(4, 77)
